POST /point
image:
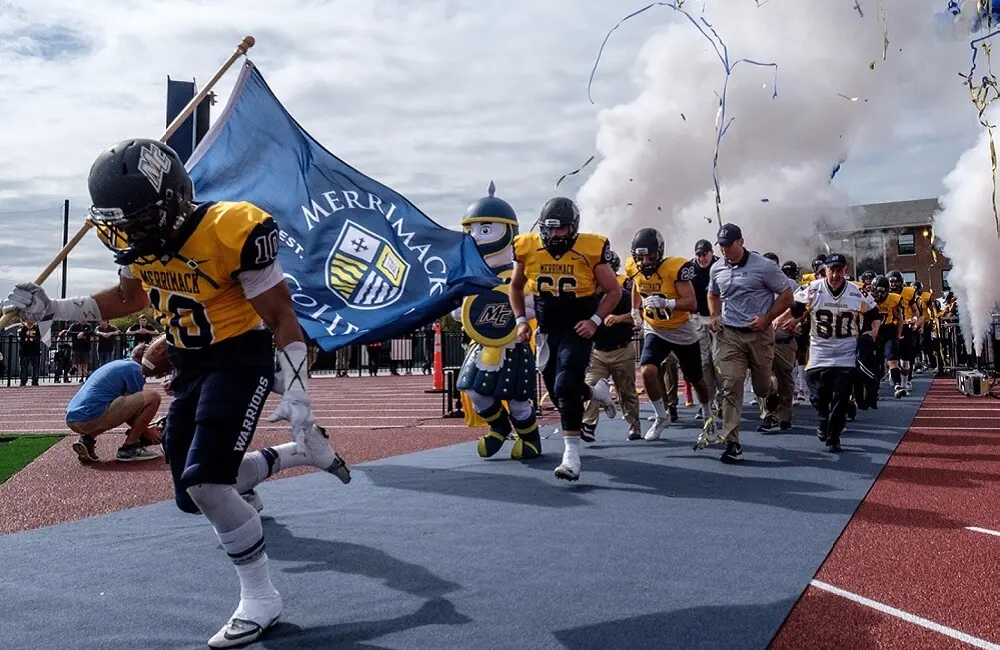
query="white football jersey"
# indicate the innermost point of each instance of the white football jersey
(836, 322)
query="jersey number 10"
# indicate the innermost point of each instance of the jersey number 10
(830, 326)
(196, 332)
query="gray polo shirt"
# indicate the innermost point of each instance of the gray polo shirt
(747, 289)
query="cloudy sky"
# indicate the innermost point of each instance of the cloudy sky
(438, 97)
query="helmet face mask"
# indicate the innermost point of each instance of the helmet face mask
(791, 270)
(141, 196)
(880, 288)
(559, 224)
(895, 281)
(647, 250)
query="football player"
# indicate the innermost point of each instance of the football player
(662, 301)
(567, 270)
(210, 271)
(912, 321)
(818, 270)
(887, 341)
(866, 281)
(837, 308)
(614, 357)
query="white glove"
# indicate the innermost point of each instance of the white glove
(294, 406)
(658, 302)
(35, 305)
(31, 301)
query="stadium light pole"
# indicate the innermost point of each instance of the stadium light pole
(65, 241)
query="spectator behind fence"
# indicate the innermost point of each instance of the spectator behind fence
(79, 334)
(116, 394)
(63, 359)
(107, 340)
(142, 331)
(29, 351)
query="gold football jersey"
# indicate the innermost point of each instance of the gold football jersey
(661, 282)
(572, 275)
(906, 298)
(888, 309)
(196, 295)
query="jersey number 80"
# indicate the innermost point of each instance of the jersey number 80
(834, 326)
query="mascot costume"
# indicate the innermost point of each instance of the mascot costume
(498, 377)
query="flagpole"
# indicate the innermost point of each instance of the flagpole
(241, 50)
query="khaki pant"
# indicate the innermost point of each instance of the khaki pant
(737, 352)
(782, 381)
(669, 380)
(709, 370)
(119, 412)
(619, 365)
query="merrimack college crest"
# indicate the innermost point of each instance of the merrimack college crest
(364, 270)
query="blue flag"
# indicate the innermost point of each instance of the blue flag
(362, 262)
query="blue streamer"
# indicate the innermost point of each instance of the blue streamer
(722, 51)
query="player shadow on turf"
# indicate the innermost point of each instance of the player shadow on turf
(437, 611)
(708, 626)
(677, 482)
(315, 555)
(322, 555)
(516, 489)
(883, 514)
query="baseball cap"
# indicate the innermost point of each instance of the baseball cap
(728, 234)
(703, 246)
(835, 259)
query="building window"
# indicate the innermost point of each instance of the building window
(944, 281)
(906, 244)
(869, 254)
(909, 277)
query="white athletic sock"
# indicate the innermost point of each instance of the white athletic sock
(259, 600)
(257, 466)
(571, 454)
(659, 408)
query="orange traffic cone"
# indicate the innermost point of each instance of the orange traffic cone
(438, 359)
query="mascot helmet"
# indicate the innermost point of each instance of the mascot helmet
(492, 222)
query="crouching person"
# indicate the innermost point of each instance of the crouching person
(116, 394)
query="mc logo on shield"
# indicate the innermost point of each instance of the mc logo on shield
(364, 270)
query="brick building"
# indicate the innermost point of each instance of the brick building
(895, 235)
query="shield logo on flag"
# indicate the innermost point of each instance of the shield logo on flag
(364, 270)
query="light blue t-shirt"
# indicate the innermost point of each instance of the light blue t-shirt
(105, 385)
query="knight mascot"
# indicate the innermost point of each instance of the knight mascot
(498, 375)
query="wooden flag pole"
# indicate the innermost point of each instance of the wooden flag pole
(241, 50)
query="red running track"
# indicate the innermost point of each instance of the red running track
(367, 418)
(910, 546)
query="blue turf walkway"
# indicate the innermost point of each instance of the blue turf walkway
(656, 546)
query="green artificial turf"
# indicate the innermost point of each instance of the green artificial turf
(17, 451)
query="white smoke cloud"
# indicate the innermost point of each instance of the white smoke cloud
(775, 161)
(967, 233)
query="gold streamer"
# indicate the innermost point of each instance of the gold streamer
(983, 96)
(885, 33)
(933, 248)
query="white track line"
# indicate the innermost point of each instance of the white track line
(986, 531)
(906, 616)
